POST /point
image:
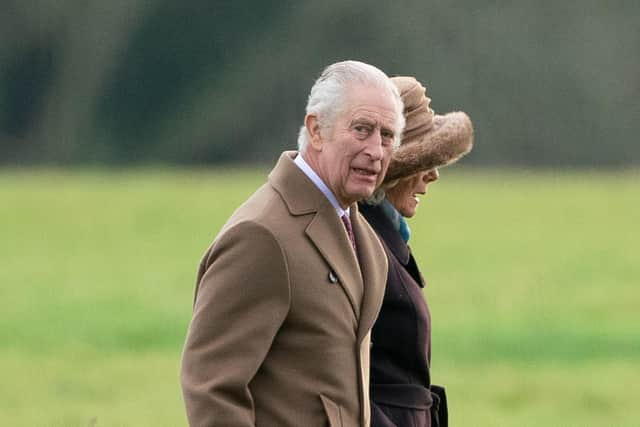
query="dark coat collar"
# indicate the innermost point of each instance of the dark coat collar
(382, 224)
(392, 239)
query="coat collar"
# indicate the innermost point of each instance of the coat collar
(387, 232)
(362, 278)
(325, 229)
(392, 239)
(298, 192)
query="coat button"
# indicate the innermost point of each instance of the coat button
(332, 277)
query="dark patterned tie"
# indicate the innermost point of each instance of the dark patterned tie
(347, 224)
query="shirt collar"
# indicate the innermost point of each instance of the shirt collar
(313, 176)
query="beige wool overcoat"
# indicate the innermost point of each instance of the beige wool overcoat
(283, 310)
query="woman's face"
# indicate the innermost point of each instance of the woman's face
(404, 195)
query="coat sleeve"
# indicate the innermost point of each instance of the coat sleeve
(242, 298)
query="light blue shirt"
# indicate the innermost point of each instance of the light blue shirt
(313, 176)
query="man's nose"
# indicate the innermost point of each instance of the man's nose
(374, 146)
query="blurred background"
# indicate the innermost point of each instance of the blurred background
(131, 130)
(210, 82)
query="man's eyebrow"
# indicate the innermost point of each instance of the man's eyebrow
(364, 120)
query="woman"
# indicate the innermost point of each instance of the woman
(401, 391)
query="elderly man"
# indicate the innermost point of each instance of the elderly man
(287, 293)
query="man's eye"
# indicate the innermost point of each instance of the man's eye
(361, 130)
(387, 137)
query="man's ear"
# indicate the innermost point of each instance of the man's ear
(313, 129)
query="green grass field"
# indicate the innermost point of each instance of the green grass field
(532, 281)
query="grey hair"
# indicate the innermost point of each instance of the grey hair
(328, 95)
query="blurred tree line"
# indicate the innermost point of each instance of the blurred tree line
(143, 81)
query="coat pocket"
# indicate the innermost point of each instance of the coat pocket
(332, 410)
(395, 416)
(402, 405)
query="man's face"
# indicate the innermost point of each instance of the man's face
(353, 155)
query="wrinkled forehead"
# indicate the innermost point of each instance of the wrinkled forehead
(373, 101)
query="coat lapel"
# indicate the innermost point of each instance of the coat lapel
(373, 263)
(325, 230)
(330, 238)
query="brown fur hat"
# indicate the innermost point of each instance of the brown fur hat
(429, 140)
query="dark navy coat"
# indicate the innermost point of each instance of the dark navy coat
(401, 391)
